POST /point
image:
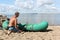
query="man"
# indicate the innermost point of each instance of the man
(13, 24)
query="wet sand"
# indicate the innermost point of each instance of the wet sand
(52, 33)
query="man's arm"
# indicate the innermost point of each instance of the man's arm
(15, 23)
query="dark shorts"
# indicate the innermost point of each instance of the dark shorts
(12, 28)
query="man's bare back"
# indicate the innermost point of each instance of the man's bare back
(13, 21)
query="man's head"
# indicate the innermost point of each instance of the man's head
(16, 14)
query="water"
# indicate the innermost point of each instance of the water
(51, 18)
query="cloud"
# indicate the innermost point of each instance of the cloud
(36, 5)
(52, 7)
(4, 8)
(29, 6)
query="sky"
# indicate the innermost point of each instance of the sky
(29, 6)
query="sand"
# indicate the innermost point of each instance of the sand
(52, 33)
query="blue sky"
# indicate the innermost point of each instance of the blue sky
(29, 6)
(10, 2)
(57, 3)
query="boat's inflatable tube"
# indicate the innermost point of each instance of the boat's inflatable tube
(5, 24)
(36, 27)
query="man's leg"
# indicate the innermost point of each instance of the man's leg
(10, 30)
(17, 30)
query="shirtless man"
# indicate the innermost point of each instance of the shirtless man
(13, 24)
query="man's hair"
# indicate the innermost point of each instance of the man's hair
(16, 13)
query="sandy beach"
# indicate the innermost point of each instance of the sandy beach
(52, 33)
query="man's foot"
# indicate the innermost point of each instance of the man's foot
(9, 32)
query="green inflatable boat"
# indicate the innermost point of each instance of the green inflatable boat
(30, 27)
(37, 27)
